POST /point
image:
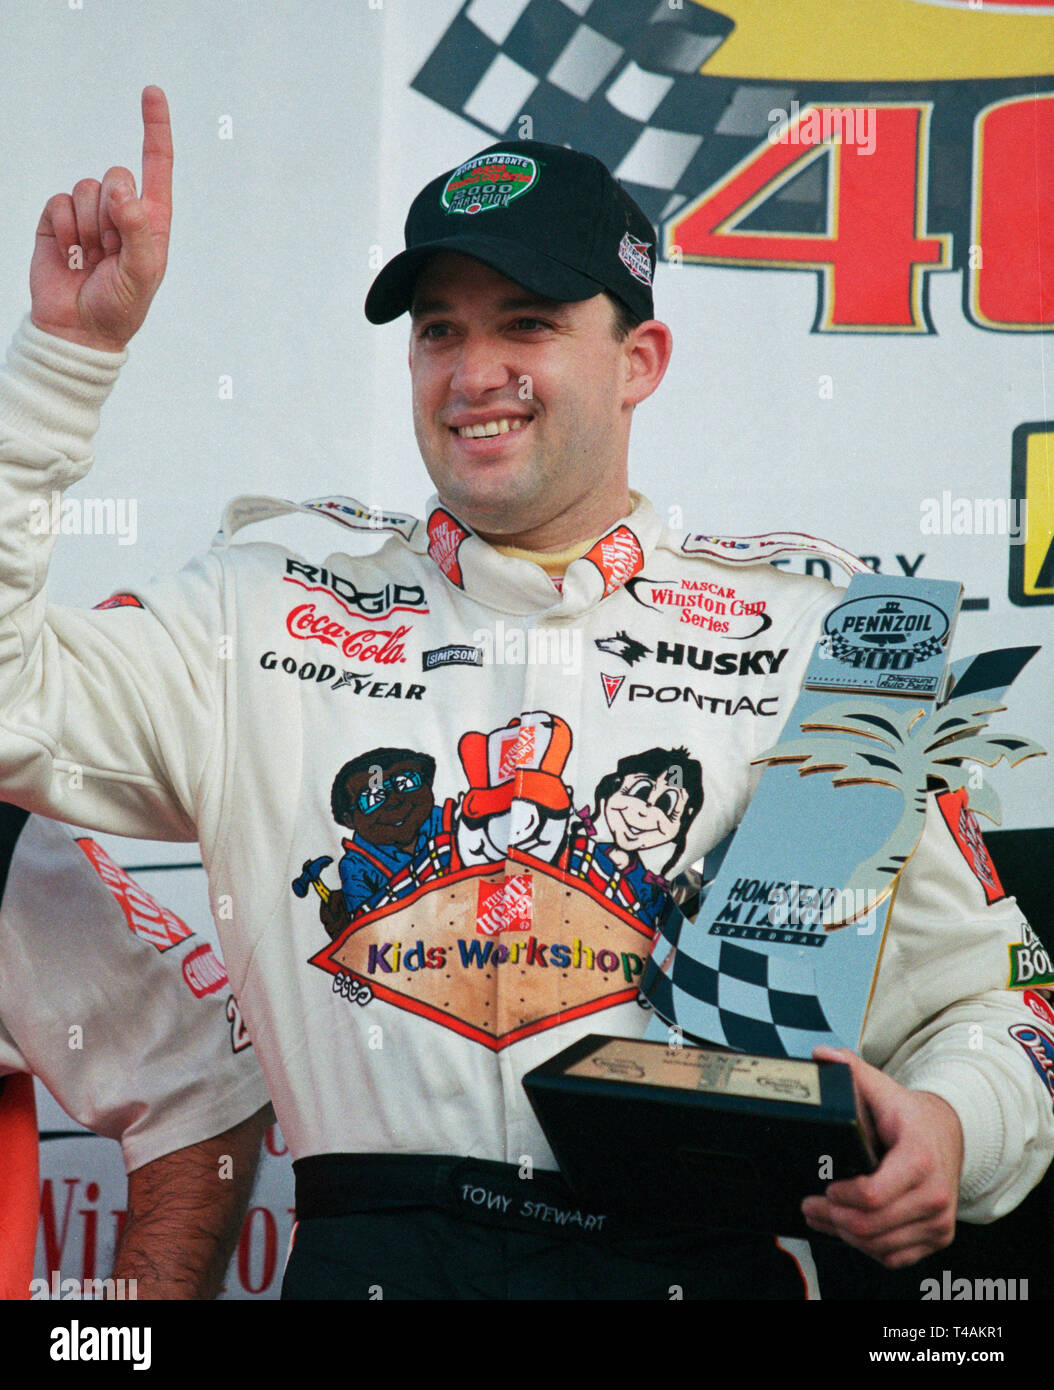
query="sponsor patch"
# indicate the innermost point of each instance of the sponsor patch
(360, 518)
(488, 182)
(451, 656)
(966, 833)
(365, 683)
(506, 906)
(1038, 1005)
(703, 604)
(144, 915)
(736, 663)
(1030, 963)
(120, 601)
(767, 707)
(374, 604)
(203, 971)
(308, 623)
(753, 550)
(497, 988)
(634, 256)
(445, 538)
(623, 645)
(1040, 1050)
(611, 686)
(618, 556)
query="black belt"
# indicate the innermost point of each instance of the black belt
(472, 1188)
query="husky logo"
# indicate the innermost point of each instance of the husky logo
(623, 645)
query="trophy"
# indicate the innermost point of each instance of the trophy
(719, 1112)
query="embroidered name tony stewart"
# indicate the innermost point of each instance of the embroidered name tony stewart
(503, 1204)
(391, 959)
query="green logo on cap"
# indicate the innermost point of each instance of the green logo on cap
(488, 181)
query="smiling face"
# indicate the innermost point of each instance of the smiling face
(645, 811)
(522, 406)
(389, 812)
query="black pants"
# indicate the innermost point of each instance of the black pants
(425, 1228)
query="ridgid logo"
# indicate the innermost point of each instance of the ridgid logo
(913, 144)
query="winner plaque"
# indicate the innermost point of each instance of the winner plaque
(698, 1137)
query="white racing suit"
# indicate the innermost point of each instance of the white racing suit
(160, 1061)
(530, 769)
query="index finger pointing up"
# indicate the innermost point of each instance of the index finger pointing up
(157, 148)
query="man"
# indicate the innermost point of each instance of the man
(113, 1003)
(421, 1171)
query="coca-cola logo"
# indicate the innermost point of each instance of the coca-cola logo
(306, 622)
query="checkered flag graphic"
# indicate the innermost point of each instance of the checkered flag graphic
(738, 997)
(620, 79)
(842, 650)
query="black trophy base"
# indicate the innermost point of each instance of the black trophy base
(698, 1138)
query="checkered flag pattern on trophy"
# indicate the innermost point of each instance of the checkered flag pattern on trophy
(735, 997)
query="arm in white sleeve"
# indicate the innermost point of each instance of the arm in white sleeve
(944, 1021)
(107, 719)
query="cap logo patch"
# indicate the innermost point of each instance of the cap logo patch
(634, 256)
(489, 181)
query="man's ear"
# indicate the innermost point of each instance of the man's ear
(647, 348)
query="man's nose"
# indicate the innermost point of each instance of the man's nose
(480, 367)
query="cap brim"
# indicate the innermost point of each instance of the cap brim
(391, 294)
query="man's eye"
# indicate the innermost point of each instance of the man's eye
(529, 324)
(431, 332)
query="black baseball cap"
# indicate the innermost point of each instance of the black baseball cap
(551, 219)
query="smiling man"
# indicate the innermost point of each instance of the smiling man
(395, 1051)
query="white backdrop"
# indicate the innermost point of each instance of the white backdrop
(299, 144)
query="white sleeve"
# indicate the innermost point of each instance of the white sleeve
(944, 1019)
(116, 1004)
(108, 718)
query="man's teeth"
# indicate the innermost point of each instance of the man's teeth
(501, 426)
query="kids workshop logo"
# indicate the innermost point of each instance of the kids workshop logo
(871, 145)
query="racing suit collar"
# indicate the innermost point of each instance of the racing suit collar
(522, 586)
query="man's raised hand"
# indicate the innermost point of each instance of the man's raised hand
(101, 251)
